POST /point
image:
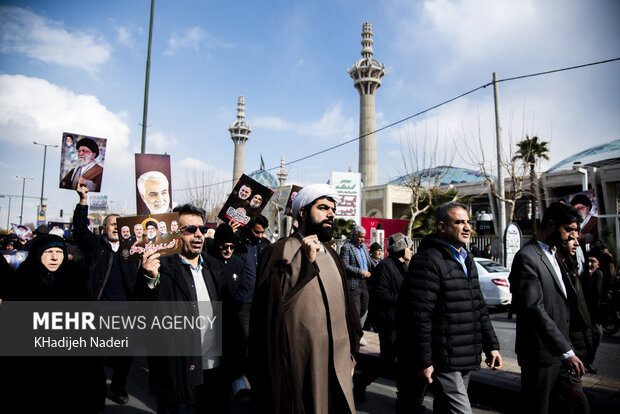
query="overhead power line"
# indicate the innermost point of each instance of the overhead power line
(412, 116)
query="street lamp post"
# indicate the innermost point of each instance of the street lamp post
(44, 157)
(8, 216)
(21, 212)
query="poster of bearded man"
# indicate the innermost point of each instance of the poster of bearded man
(81, 161)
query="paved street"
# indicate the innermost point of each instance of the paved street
(490, 392)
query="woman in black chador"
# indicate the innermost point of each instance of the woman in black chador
(51, 383)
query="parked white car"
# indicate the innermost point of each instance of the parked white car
(493, 282)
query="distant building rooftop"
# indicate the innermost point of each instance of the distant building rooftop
(265, 178)
(597, 156)
(447, 175)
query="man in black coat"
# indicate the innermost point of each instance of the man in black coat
(387, 279)
(550, 370)
(108, 278)
(442, 321)
(250, 249)
(180, 382)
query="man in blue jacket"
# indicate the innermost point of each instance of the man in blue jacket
(356, 259)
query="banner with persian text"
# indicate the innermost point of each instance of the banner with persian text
(349, 187)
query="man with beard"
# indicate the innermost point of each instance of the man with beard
(154, 192)
(125, 233)
(87, 172)
(257, 201)
(163, 231)
(152, 235)
(304, 329)
(174, 227)
(138, 232)
(541, 294)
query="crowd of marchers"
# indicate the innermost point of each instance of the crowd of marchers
(294, 308)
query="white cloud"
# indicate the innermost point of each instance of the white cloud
(191, 164)
(193, 38)
(272, 123)
(124, 37)
(159, 142)
(34, 109)
(333, 124)
(24, 32)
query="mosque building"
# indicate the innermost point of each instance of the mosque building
(596, 169)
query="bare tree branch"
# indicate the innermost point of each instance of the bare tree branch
(202, 194)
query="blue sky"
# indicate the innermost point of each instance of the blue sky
(78, 66)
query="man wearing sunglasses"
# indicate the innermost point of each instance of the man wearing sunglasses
(180, 383)
(225, 243)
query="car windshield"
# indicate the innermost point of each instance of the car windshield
(492, 267)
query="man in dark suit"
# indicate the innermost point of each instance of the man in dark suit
(550, 370)
(356, 259)
(182, 383)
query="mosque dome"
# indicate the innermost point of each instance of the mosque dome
(597, 156)
(447, 175)
(265, 178)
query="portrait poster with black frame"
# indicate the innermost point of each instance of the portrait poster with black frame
(153, 184)
(82, 159)
(247, 200)
(148, 233)
(288, 210)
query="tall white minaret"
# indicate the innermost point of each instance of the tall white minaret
(367, 73)
(239, 133)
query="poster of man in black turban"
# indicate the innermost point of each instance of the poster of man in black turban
(150, 233)
(81, 161)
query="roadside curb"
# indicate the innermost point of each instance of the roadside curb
(603, 392)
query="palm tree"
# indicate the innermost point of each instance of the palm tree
(530, 152)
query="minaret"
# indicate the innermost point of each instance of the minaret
(239, 131)
(282, 174)
(367, 73)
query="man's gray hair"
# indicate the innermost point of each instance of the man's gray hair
(359, 229)
(150, 176)
(105, 220)
(443, 211)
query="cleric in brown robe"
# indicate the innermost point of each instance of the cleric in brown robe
(304, 328)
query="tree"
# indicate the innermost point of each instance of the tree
(530, 152)
(343, 228)
(205, 189)
(422, 174)
(424, 222)
(514, 172)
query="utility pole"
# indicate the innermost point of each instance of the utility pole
(146, 82)
(501, 207)
(21, 212)
(44, 157)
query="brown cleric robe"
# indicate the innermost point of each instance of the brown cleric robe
(304, 333)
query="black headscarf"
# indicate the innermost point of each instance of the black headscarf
(35, 281)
